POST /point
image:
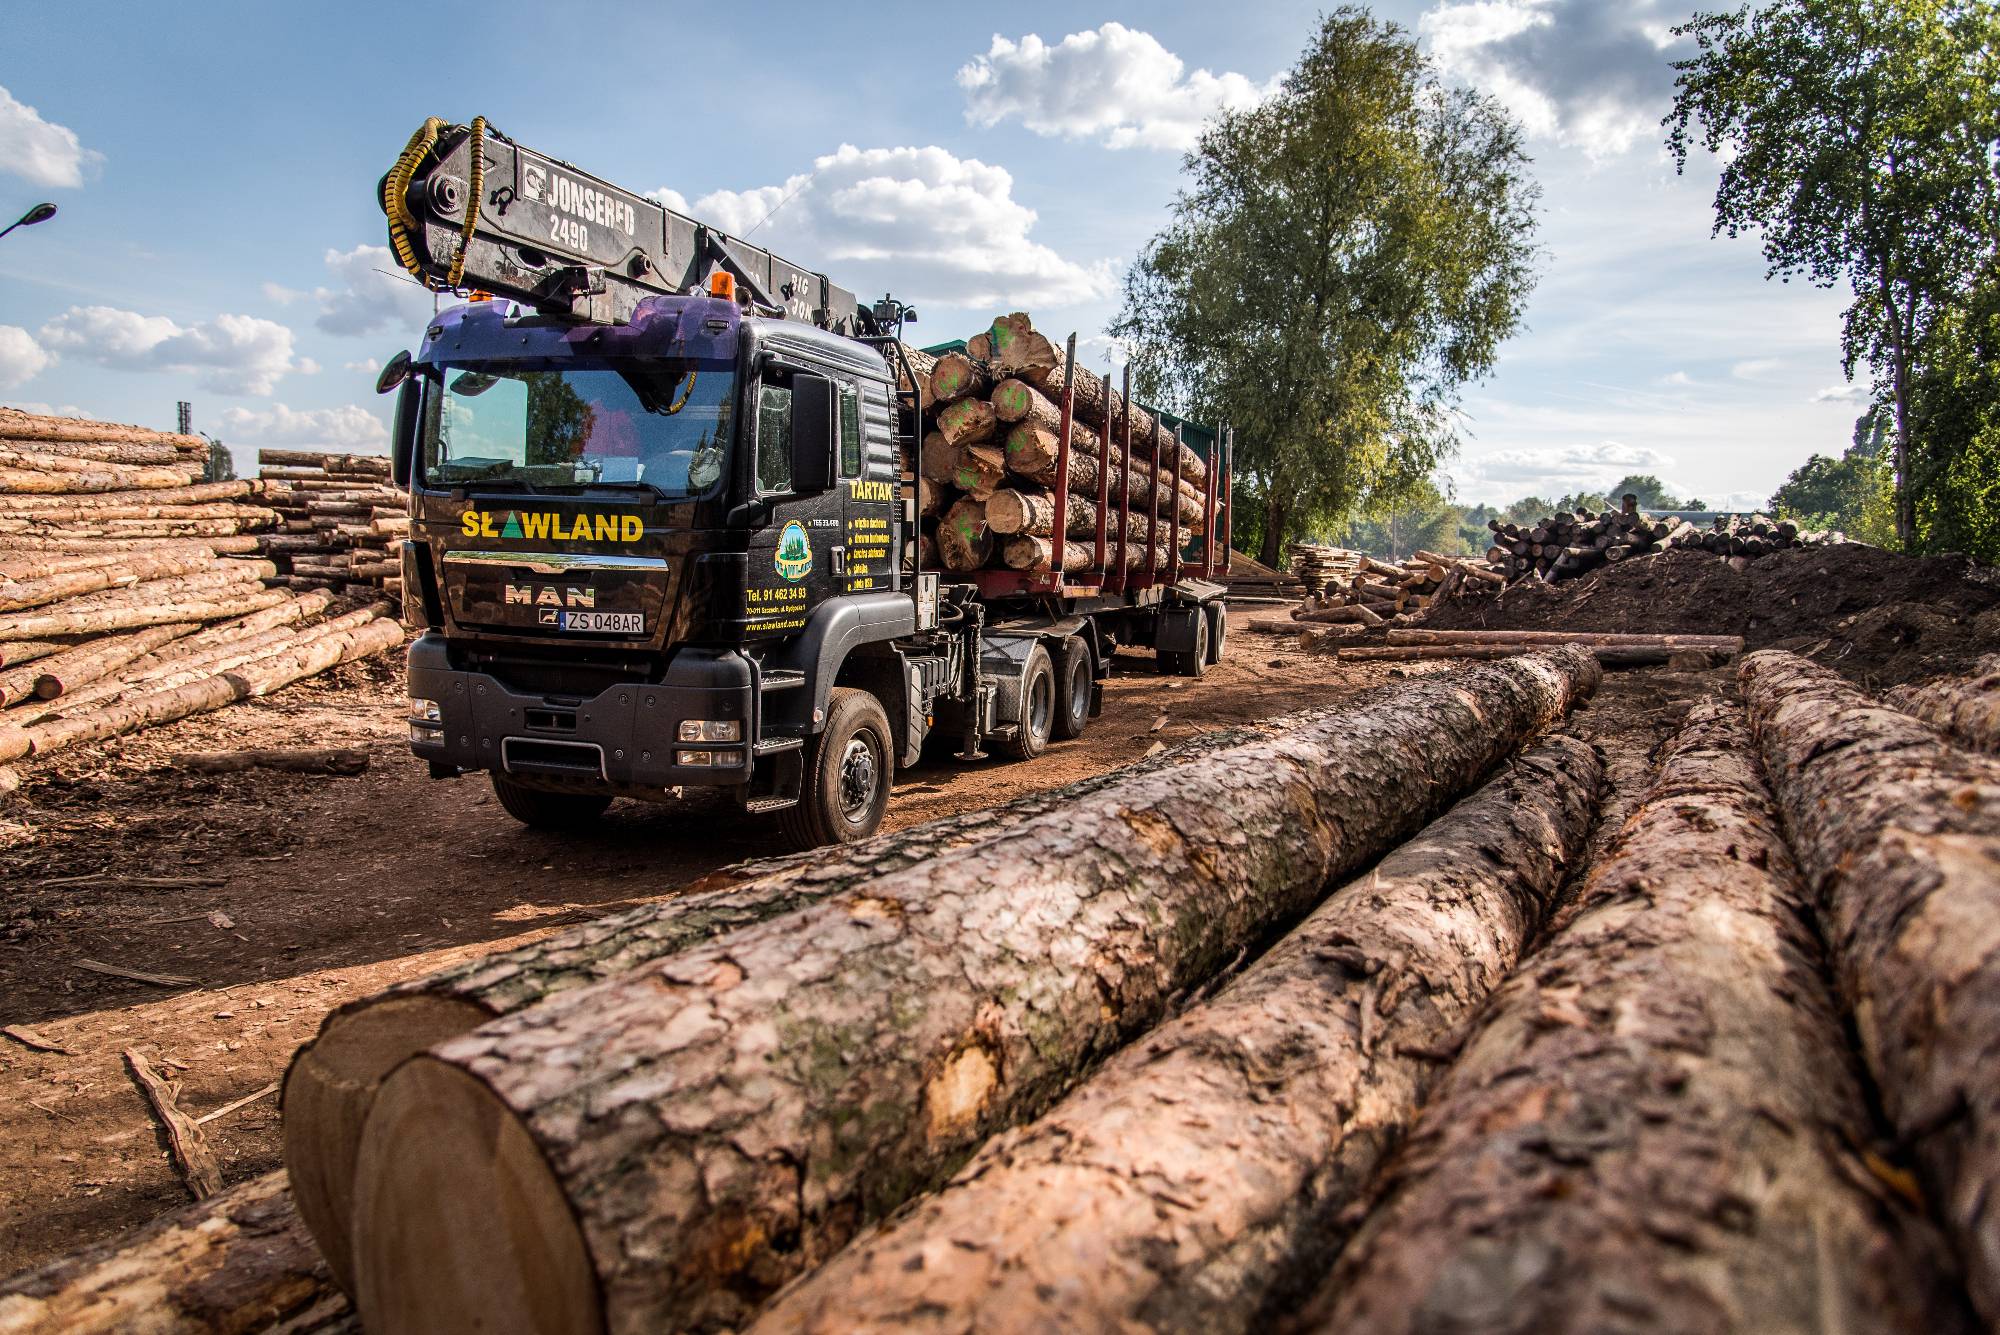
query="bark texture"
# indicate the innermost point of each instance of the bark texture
(1037, 555)
(1967, 709)
(678, 1142)
(1193, 1182)
(1657, 1124)
(236, 1262)
(1899, 834)
(87, 663)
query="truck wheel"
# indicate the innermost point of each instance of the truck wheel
(1191, 663)
(845, 788)
(1073, 690)
(544, 810)
(1218, 630)
(1038, 708)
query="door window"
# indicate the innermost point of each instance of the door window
(774, 438)
(850, 430)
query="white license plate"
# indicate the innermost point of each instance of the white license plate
(605, 623)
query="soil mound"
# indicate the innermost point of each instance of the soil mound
(1884, 619)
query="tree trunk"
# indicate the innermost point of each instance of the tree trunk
(1244, 1128)
(967, 422)
(1102, 407)
(104, 451)
(964, 540)
(333, 1079)
(1037, 555)
(19, 481)
(18, 425)
(344, 760)
(1967, 709)
(1012, 512)
(978, 471)
(957, 376)
(1271, 553)
(86, 663)
(15, 596)
(1655, 1123)
(192, 494)
(208, 597)
(770, 1094)
(1031, 453)
(1899, 834)
(236, 1262)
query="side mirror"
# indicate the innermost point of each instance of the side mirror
(394, 372)
(403, 444)
(813, 428)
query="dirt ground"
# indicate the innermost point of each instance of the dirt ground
(280, 896)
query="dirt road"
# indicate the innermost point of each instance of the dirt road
(279, 896)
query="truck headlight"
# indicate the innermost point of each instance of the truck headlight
(711, 730)
(426, 711)
(694, 757)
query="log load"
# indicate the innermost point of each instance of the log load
(1899, 835)
(237, 1262)
(1657, 1123)
(957, 376)
(1037, 555)
(1966, 709)
(769, 1094)
(1243, 1128)
(332, 1080)
(965, 542)
(1031, 453)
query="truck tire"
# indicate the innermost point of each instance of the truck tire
(1073, 690)
(1188, 663)
(1218, 630)
(544, 810)
(845, 786)
(1038, 709)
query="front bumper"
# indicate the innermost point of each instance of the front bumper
(623, 740)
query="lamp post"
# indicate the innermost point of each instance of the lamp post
(41, 213)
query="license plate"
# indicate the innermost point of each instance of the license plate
(604, 623)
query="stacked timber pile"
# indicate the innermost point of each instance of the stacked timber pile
(987, 465)
(1352, 593)
(1318, 566)
(342, 520)
(1567, 544)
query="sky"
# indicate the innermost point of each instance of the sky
(218, 240)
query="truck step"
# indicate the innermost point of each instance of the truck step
(782, 679)
(772, 746)
(757, 806)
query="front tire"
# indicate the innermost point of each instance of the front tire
(1038, 708)
(845, 788)
(1073, 690)
(543, 810)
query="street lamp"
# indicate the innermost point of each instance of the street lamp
(41, 213)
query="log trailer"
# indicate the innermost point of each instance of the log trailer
(663, 528)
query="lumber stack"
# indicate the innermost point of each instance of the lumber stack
(342, 520)
(985, 475)
(1349, 588)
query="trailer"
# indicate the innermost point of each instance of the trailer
(663, 520)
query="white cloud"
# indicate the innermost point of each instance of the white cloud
(1756, 368)
(922, 222)
(38, 151)
(1677, 380)
(231, 354)
(1584, 73)
(1116, 82)
(283, 295)
(362, 367)
(21, 358)
(351, 429)
(370, 293)
(1600, 464)
(1850, 392)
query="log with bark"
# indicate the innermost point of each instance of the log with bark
(751, 1104)
(1244, 1128)
(18, 425)
(1031, 453)
(1728, 644)
(1611, 655)
(332, 1080)
(920, 364)
(1966, 709)
(342, 760)
(957, 376)
(193, 494)
(106, 451)
(1037, 555)
(967, 422)
(99, 658)
(1011, 512)
(239, 1261)
(1658, 1123)
(965, 542)
(1899, 834)
(227, 595)
(17, 595)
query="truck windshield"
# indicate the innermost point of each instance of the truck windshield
(658, 424)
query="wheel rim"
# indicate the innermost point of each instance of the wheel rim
(858, 772)
(1041, 704)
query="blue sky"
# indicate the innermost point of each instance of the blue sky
(218, 239)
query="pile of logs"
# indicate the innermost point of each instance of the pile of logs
(1611, 648)
(132, 594)
(1748, 536)
(987, 465)
(341, 521)
(1567, 544)
(1352, 592)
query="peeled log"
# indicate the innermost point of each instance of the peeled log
(17, 595)
(1658, 1115)
(18, 425)
(1966, 708)
(964, 540)
(195, 493)
(1243, 1128)
(753, 1103)
(227, 592)
(1899, 835)
(957, 376)
(111, 452)
(86, 663)
(237, 1262)
(332, 1080)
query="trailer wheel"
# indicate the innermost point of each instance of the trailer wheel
(1218, 630)
(544, 810)
(845, 787)
(1192, 662)
(1038, 708)
(1073, 693)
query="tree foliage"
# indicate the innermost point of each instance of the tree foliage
(1343, 258)
(1859, 138)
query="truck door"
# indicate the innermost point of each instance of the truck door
(869, 538)
(791, 557)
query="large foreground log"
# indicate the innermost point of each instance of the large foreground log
(1658, 1122)
(1243, 1128)
(332, 1081)
(1899, 833)
(236, 1262)
(752, 1103)
(1966, 708)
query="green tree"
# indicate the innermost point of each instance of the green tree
(1343, 259)
(1855, 493)
(1529, 510)
(218, 467)
(1652, 493)
(1859, 137)
(1420, 519)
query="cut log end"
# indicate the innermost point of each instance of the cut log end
(476, 1173)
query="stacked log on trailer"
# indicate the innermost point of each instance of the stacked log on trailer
(132, 593)
(342, 520)
(988, 464)
(1571, 543)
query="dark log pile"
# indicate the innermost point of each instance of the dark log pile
(342, 521)
(753, 1102)
(1567, 544)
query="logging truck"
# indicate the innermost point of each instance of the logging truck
(664, 532)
